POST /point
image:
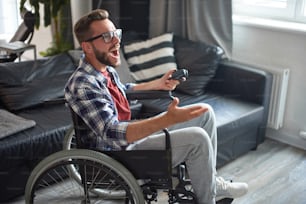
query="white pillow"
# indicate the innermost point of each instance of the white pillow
(150, 59)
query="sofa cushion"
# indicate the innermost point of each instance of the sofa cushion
(11, 123)
(30, 83)
(227, 109)
(151, 58)
(200, 59)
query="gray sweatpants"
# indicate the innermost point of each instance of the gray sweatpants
(195, 143)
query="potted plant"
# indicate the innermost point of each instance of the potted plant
(54, 16)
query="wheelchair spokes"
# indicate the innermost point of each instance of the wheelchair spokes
(101, 181)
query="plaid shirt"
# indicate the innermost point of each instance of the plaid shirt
(87, 94)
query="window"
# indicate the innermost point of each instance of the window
(285, 10)
(9, 18)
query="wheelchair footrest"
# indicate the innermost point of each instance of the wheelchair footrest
(182, 196)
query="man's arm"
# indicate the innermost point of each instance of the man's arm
(139, 129)
(163, 83)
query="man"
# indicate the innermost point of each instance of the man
(96, 94)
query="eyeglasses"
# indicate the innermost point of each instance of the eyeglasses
(107, 36)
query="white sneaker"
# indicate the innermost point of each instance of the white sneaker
(228, 189)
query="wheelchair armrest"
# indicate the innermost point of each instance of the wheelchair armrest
(167, 139)
(138, 95)
(55, 101)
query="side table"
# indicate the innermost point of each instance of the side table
(17, 48)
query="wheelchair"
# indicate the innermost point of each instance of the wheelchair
(78, 174)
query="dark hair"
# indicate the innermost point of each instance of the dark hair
(82, 27)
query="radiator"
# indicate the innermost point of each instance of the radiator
(278, 97)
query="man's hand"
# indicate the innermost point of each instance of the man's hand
(177, 114)
(139, 129)
(166, 83)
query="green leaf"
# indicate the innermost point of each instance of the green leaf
(47, 12)
(21, 5)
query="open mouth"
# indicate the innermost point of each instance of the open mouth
(115, 53)
(115, 50)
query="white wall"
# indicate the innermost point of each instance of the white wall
(278, 48)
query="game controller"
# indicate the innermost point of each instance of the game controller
(179, 74)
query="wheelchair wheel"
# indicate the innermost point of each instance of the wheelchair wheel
(69, 140)
(51, 180)
(69, 144)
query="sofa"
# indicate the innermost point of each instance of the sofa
(32, 92)
(238, 93)
(29, 90)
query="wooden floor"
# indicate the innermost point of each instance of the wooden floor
(275, 173)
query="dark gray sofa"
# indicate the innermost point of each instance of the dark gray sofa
(238, 93)
(239, 96)
(30, 90)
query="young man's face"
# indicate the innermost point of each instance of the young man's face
(106, 49)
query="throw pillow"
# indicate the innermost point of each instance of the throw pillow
(30, 83)
(200, 59)
(150, 59)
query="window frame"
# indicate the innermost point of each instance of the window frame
(292, 13)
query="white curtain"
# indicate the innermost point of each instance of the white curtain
(207, 21)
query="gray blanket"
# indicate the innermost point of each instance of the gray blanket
(10, 123)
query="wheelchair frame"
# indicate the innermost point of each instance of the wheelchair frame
(94, 176)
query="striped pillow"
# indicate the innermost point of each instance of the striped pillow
(150, 59)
